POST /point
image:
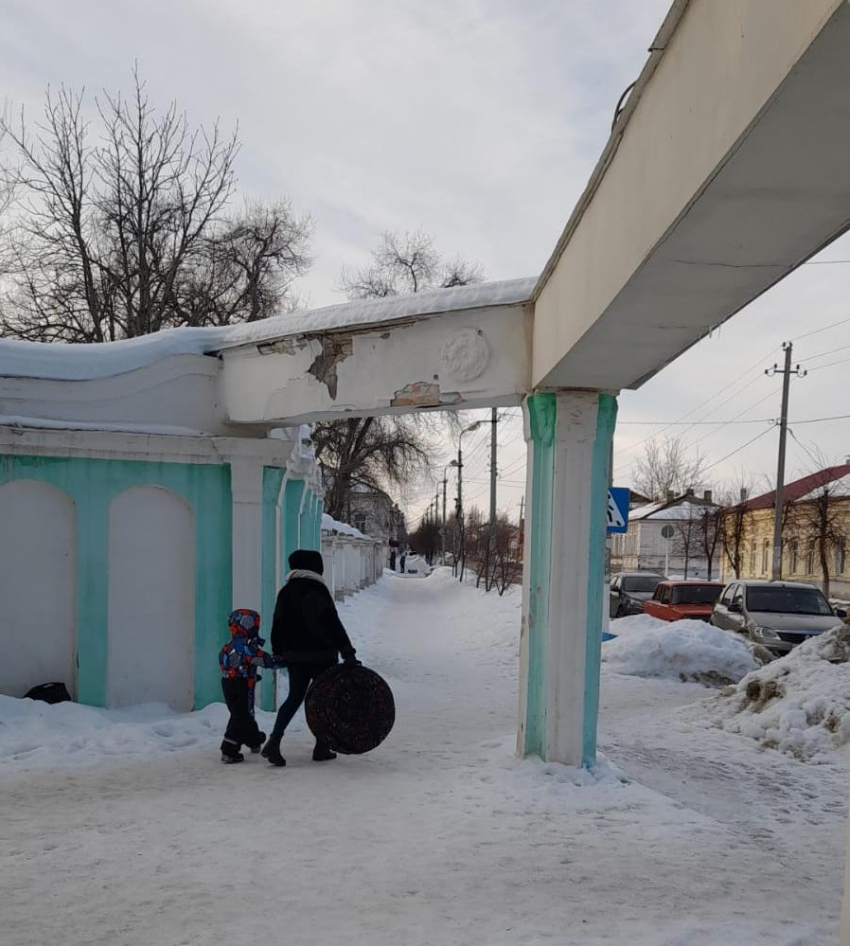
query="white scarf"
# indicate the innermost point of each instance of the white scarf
(304, 573)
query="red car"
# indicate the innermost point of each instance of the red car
(676, 600)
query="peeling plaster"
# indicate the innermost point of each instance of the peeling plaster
(417, 394)
(335, 348)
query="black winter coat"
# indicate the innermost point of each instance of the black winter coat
(306, 628)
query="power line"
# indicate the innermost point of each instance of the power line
(739, 449)
(820, 420)
(817, 331)
(799, 442)
(832, 364)
(706, 423)
(823, 354)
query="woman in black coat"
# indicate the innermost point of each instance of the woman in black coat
(308, 634)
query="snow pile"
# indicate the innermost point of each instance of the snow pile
(341, 528)
(799, 704)
(68, 362)
(686, 650)
(37, 735)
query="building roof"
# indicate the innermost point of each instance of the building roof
(60, 361)
(683, 507)
(804, 488)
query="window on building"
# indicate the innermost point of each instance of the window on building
(810, 559)
(765, 557)
(840, 556)
(793, 557)
(754, 551)
(359, 521)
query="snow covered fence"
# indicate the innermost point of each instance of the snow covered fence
(353, 561)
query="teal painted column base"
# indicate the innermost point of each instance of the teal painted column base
(569, 438)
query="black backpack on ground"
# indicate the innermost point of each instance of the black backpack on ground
(49, 693)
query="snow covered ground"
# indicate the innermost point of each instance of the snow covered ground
(121, 829)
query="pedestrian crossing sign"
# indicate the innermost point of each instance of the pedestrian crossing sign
(618, 509)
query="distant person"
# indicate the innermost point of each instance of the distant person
(392, 560)
(308, 636)
(239, 659)
(403, 560)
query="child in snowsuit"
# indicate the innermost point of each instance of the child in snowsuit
(239, 659)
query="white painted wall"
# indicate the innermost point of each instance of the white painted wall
(177, 392)
(714, 84)
(382, 364)
(151, 599)
(37, 587)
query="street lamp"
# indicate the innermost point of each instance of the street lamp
(466, 430)
(454, 463)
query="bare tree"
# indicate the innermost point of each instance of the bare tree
(401, 264)
(821, 518)
(709, 535)
(371, 451)
(248, 268)
(405, 263)
(123, 230)
(668, 467)
(686, 538)
(425, 541)
(734, 524)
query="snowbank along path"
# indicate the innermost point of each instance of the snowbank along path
(438, 837)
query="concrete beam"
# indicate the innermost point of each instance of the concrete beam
(727, 171)
(463, 359)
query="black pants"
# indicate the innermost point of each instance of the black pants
(242, 728)
(300, 678)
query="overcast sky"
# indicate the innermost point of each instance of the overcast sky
(476, 120)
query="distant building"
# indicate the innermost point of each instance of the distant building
(373, 512)
(825, 494)
(664, 537)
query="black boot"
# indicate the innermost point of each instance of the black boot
(230, 753)
(323, 753)
(259, 745)
(272, 753)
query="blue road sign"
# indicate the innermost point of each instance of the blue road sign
(618, 509)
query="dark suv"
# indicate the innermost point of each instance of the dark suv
(629, 590)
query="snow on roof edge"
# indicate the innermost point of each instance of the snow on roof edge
(62, 361)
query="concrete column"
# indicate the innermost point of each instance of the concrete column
(293, 497)
(569, 437)
(327, 543)
(246, 484)
(305, 519)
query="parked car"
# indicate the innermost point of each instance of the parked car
(629, 590)
(676, 600)
(776, 614)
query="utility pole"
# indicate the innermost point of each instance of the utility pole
(491, 536)
(443, 536)
(459, 512)
(779, 504)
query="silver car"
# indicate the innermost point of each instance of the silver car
(776, 614)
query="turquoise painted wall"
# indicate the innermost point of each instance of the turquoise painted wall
(272, 480)
(92, 484)
(291, 519)
(542, 412)
(606, 419)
